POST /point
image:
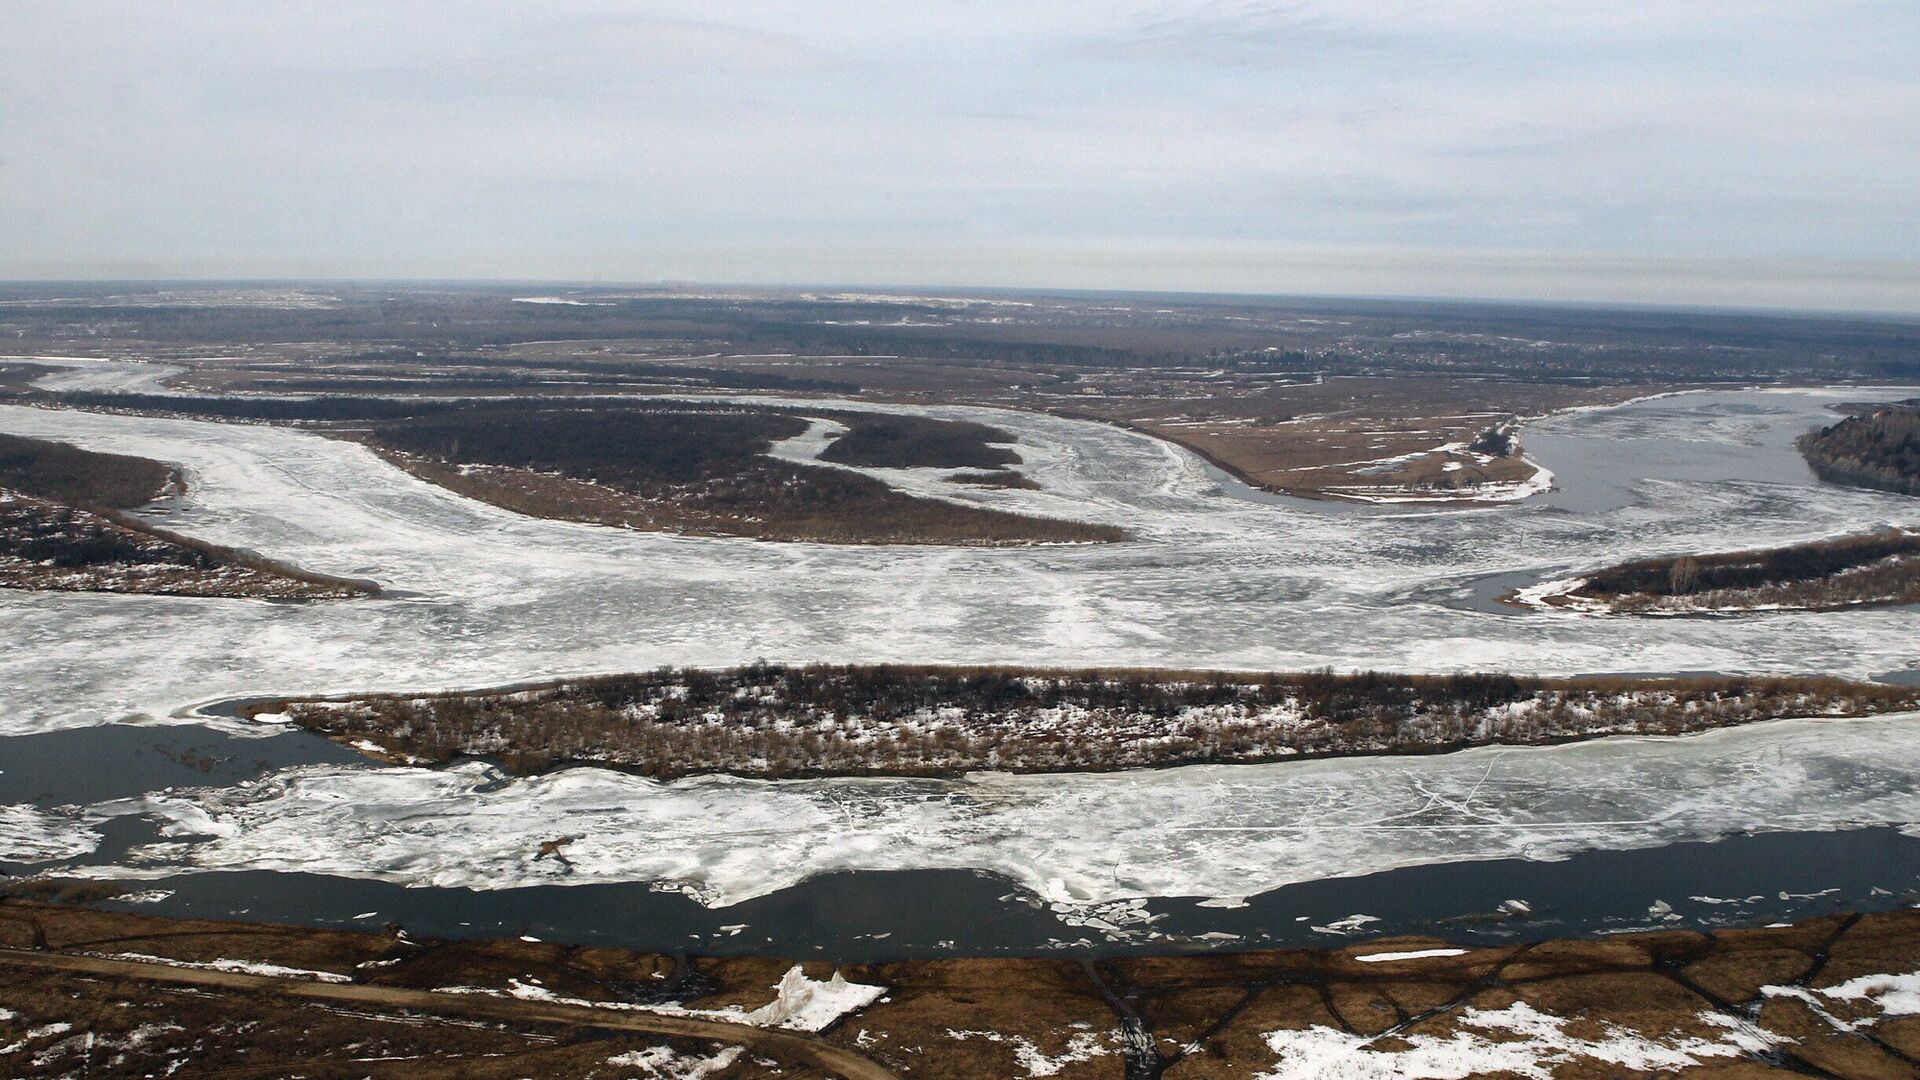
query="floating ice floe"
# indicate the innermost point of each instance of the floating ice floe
(29, 834)
(1089, 847)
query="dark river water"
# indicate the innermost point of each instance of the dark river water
(1739, 880)
(1747, 880)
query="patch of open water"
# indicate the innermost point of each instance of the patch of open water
(869, 916)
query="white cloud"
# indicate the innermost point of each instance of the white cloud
(594, 138)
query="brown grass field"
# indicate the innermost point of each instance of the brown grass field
(1733, 1005)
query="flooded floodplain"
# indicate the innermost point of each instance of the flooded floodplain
(479, 596)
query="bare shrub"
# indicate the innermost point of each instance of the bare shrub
(778, 721)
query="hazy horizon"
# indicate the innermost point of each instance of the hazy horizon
(1755, 155)
(963, 289)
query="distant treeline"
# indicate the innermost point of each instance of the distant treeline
(20, 377)
(905, 442)
(1066, 332)
(873, 438)
(705, 469)
(1876, 448)
(778, 721)
(54, 470)
(638, 447)
(693, 375)
(220, 407)
(679, 441)
(335, 408)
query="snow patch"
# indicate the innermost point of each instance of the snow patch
(665, 1063)
(1516, 1041)
(241, 967)
(1082, 1046)
(1414, 954)
(799, 1004)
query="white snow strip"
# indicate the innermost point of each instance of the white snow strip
(799, 1004)
(1414, 954)
(242, 967)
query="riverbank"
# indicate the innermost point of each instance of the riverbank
(64, 526)
(1876, 447)
(1861, 570)
(1835, 996)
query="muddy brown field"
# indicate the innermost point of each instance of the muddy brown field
(1832, 997)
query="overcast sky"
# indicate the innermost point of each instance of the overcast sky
(1687, 151)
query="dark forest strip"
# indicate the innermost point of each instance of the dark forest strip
(777, 721)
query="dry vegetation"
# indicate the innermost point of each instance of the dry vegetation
(1411, 438)
(1403, 436)
(705, 470)
(1876, 448)
(1881, 567)
(59, 1024)
(1407, 435)
(55, 471)
(63, 528)
(1823, 998)
(52, 547)
(774, 721)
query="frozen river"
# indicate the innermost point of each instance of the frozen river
(481, 596)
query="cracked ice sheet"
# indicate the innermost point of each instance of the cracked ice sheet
(483, 596)
(1076, 841)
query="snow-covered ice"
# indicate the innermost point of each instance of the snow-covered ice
(481, 596)
(804, 1004)
(29, 834)
(1082, 843)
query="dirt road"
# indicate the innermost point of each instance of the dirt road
(785, 1044)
